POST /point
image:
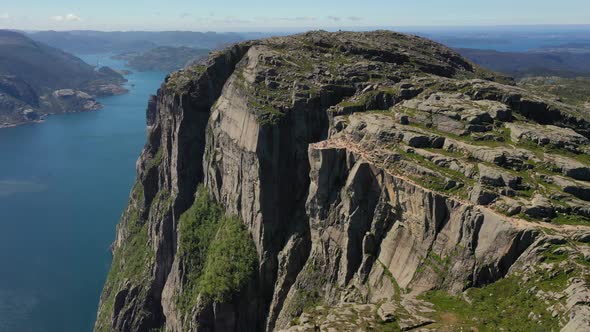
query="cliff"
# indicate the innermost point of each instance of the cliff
(345, 181)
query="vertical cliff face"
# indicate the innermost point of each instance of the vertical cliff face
(372, 172)
(169, 170)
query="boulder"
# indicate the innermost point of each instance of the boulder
(481, 196)
(540, 208)
(494, 177)
(578, 189)
(570, 167)
(559, 137)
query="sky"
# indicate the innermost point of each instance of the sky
(256, 15)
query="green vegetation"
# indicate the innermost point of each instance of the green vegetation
(435, 263)
(179, 81)
(231, 261)
(216, 251)
(389, 327)
(541, 150)
(398, 291)
(551, 256)
(309, 290)
(261, 98)
(137, 192)
(306, 299)
(131, 260)
(570, 219)
(573, 91)
(503, 305)
(439, 183)
(161, 202)
(366, 99)
(498, 137)
(266, 113)
(157, 159)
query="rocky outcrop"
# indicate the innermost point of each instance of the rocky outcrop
(20, 104)
(374, 172)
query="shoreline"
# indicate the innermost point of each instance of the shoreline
(94, 97)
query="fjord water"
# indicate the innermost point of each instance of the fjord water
(63, 186)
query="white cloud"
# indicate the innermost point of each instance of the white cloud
(298, 19)
(4, 16)
(66, 18)
(340, 19)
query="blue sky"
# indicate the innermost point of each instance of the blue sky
(255, 15)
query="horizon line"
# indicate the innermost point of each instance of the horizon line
(332, 28)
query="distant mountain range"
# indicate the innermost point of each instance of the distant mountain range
(580, 47)
(36, 80)
(564, 61)
(163, 58)
(89, 42)
(521, 54)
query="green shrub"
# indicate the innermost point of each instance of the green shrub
(231, 260)
(216, 251)
(130, 261)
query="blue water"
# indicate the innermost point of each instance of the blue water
(63, 186)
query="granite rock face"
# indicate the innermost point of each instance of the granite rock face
(372, 170)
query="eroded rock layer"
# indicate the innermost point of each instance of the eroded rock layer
(385, 183)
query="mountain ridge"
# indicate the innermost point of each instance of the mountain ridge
(37, 80)
(380, 177)
(88, 41)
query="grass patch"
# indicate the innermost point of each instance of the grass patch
(502, 135)
(179, 81)
(266, 113)
(541, 150)
(398, 291)
(389, 327)
(504, 305)
(309, 290)
(570, 219)
(157, 159)
(573, 91)
(439, 183)
(307, 299)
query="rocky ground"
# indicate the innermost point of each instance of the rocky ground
(387, 184)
